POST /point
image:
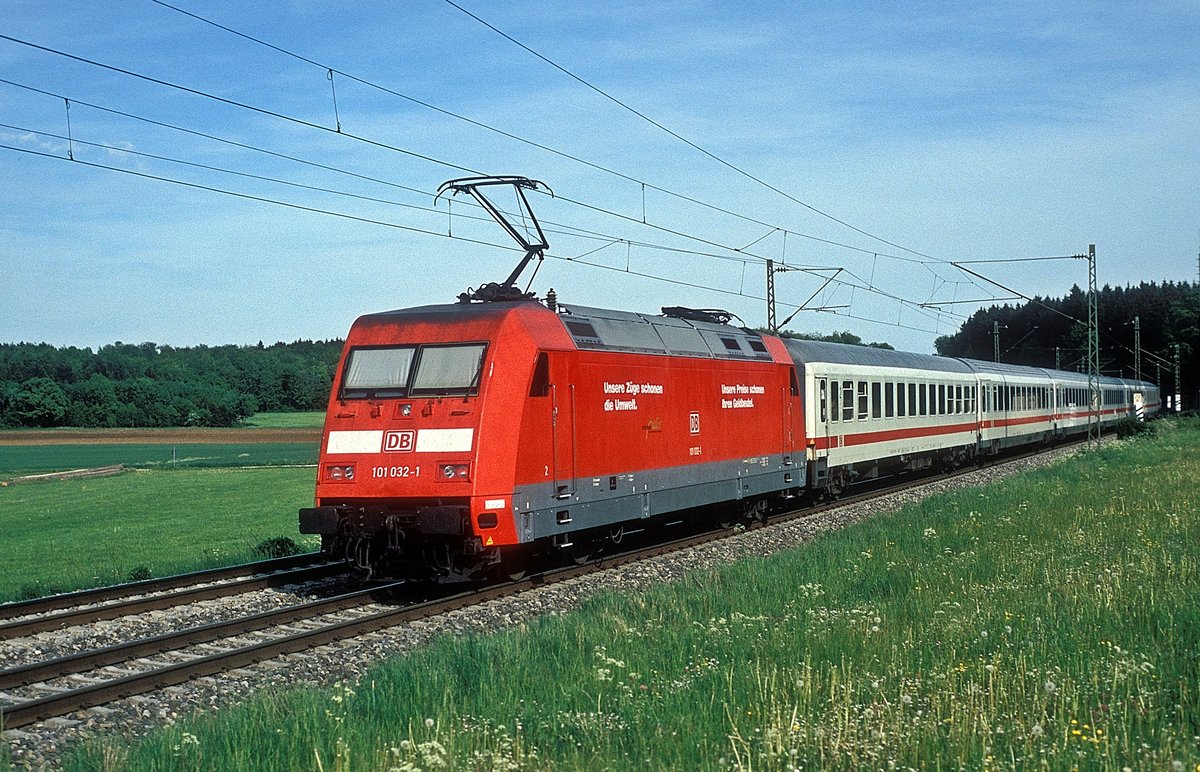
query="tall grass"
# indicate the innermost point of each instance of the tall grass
(1052, 620)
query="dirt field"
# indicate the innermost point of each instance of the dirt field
(155, 436)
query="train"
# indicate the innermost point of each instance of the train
(468, 439)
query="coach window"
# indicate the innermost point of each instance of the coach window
(833, 389)
(876, 399)
(847, 400)
(862, 400)
(958, 399)
(941, 402)
(824, 400)
(889, 398)
(901, 404)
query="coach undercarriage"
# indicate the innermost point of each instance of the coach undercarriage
(837, 479)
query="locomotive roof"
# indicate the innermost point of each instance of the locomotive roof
(603, 328)
(813, 351)
(458, 310)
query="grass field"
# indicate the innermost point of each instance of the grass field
(33, 459)
(1051, 621)
(65, 535)
(308, 420)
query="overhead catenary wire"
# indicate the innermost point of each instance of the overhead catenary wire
(572, 157)
(387, 146)
(574, 230)
(681, 138)
(347, 216)
(240, 105)
(644, 184)
(576, 202)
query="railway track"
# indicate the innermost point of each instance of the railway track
(28, 617)
(66, 684)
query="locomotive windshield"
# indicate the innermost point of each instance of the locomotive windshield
(448, 369)
(402, 371)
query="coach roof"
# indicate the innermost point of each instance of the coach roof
(815, 351)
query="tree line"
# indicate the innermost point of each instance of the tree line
(1052, 333)
(146, 385)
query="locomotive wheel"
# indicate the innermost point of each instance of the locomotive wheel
(514, 563)
(583, 551)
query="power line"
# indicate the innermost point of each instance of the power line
(241, 105)
(309, 124)
(680, 137)
(384, 223)
(576, 230)
(250, 197)
(518, 138)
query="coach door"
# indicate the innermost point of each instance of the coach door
(817, 451)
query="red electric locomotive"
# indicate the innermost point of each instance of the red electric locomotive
(467, 436)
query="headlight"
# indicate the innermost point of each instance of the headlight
(340, 473)
(457, 472)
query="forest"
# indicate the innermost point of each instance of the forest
(128, 385)
(1052, 332)
(136, 385)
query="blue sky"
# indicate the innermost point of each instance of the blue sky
(937, 132)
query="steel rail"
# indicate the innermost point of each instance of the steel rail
(159, 644)
(125, 607)
(113, 592)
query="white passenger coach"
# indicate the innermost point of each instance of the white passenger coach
(873, 412)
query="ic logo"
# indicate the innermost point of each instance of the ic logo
(399, 441)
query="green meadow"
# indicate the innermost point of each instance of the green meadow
(37, 459)
(1049, 621)
(69, 534)
(293, 420)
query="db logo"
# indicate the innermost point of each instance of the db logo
(401, 441)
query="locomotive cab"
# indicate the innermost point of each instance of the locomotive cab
(415, 477)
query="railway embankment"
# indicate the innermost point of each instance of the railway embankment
(1050, 618)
